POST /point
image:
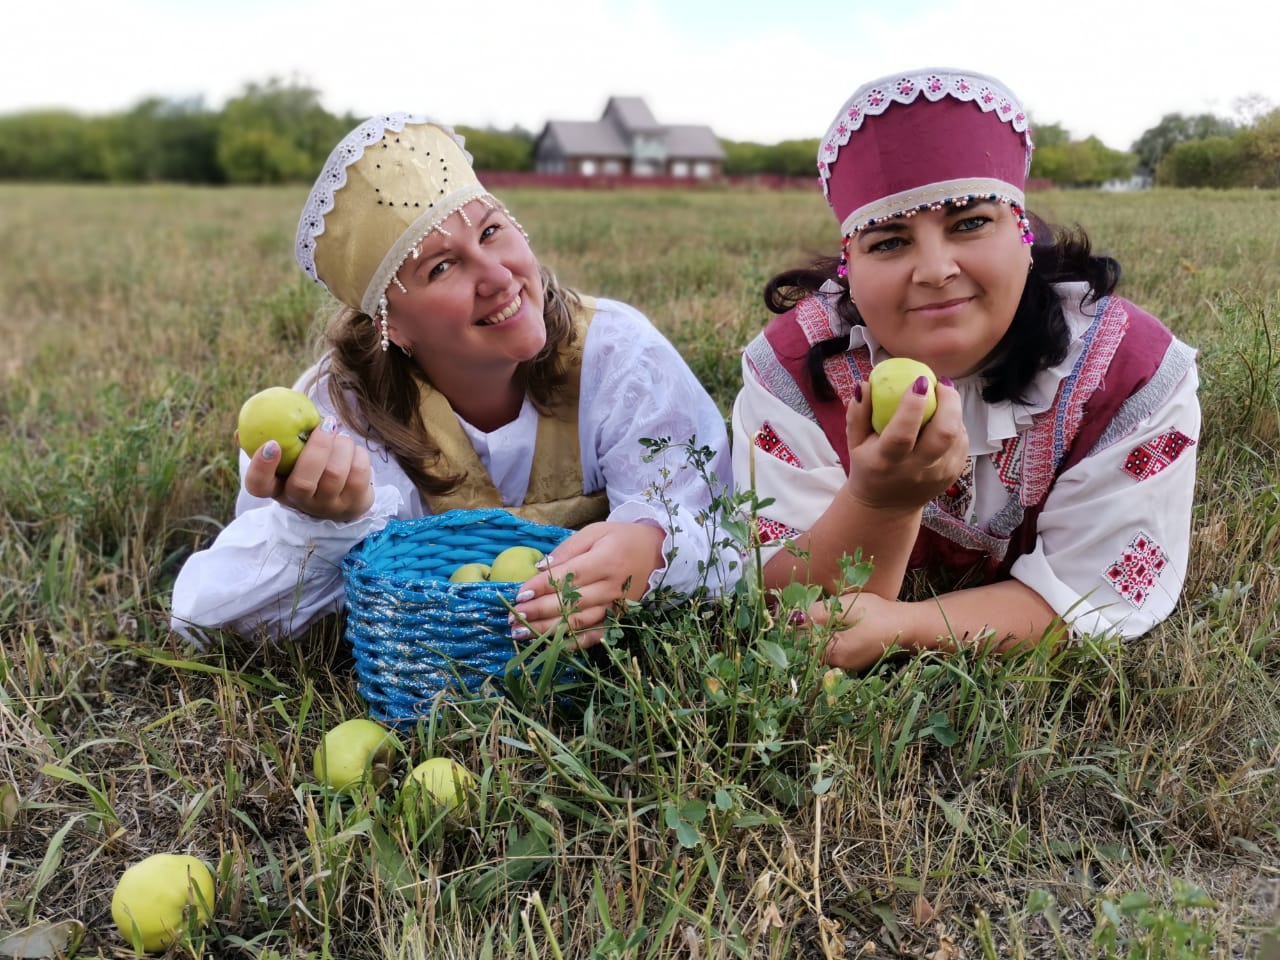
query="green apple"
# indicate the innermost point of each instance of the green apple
(280, 414)
(515, 565)
(442, 782)
(354, 751)
(890, 379)
(470, 573)
(153, 898)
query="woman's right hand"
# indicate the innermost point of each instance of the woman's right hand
(907, 465)
(331, 480)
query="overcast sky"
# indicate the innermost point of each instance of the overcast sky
(761, 70)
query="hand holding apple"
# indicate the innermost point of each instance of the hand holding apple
(892, 378)
(332, 478)
(280, 414)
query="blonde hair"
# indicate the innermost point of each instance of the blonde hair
(376, 392)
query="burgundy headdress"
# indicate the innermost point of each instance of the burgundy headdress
(921, 140)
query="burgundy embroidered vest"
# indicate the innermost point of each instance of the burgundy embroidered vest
(1125, 348)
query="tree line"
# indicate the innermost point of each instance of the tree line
(277, 132)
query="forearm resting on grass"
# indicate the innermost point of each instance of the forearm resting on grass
(847, 527)
(1001, 616)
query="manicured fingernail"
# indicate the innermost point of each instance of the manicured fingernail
(946, 381)
(524, 595)
(329, 425)
(520, 633)
(921, 386)
(857, 392)
(270, 450)
(545, 562)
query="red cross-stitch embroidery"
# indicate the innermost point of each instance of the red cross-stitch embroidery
(771, 531)
(1138, 569)
(1154, 455)
(767, 439)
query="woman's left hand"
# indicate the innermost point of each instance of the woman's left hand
(608, 562)
(869, 627)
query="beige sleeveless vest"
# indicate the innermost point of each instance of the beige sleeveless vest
(555, 481)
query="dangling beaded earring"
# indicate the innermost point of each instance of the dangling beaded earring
(382, 323)
(843, 269)
(1024, 224)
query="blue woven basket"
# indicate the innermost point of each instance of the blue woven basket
(413, 632)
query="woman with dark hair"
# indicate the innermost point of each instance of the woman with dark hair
(460, 374)
(1051, 491)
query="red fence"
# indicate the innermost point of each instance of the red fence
(576, 181)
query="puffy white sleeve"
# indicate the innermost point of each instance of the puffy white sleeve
(275, 568)
(1114, 536)
(784, 457)
(636, 386)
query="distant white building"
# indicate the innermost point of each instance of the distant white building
(627, 140)
(1139, 181)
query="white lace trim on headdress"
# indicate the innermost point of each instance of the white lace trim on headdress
(876, 97)
(930, 195)
(333, 177)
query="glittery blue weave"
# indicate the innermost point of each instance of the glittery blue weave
(415, 634)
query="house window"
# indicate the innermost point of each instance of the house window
(679, 168)
(703, 169)
(587, 168)
(644, 168)
(612, 167)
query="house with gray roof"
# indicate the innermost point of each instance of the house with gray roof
(628, 141)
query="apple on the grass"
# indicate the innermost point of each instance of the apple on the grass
(515, 565)
(440, 782)
(152, 901)
(892, 378)
(354, 751)
(280, 414)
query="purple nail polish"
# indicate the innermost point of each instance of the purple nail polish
(857, 392)
(946, 381)
(520, 633)
(921, 386)
(270, 450)
(545, 562)
(524, 595)
(329, 425)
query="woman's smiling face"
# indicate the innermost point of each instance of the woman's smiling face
(941, 286)
(471, 307)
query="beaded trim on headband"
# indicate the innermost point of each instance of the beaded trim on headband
(333, 177)
(872, 100)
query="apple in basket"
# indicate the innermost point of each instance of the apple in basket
(354, 751)
(470, 573)
(515, 565)
(890, 379)
(280, 414)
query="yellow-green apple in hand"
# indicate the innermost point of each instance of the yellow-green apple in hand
(156, 899)
(890, 379)
(280, 414)
(301, 460)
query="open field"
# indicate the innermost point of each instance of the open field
(1095, 802)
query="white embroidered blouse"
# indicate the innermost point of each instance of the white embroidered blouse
(1113, 538)
(275, 567)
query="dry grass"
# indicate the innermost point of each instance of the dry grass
(708, 797)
